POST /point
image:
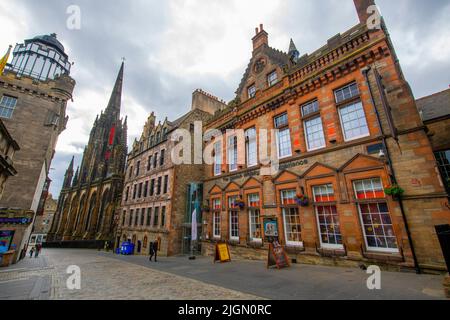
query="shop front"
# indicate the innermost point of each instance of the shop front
(13, 227)
(325, 215)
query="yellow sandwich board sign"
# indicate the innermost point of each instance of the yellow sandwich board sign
(222, 253)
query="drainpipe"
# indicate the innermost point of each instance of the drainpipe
(391, 167)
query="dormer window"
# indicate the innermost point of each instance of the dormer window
(272, 78)
(251, 91)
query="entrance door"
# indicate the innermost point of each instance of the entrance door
(139, 244)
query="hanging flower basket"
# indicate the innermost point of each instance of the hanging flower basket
(302, 200)
(395, 191)
(240, 204)
(206, 208)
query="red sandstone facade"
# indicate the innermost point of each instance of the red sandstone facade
(348, 128)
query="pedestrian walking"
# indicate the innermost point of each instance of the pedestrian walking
(155, 249)
(31, 252)
(152, 251)
(36, 251)
(39, 248)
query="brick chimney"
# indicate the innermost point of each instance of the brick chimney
(361, 8)
(261, 38)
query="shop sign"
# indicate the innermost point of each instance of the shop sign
(277, 256)
(222, 253)
(15, 220)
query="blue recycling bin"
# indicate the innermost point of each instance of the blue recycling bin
(127, 248)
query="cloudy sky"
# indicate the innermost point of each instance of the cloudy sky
(173, 47)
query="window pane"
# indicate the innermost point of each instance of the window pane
(354, 122)
(272, 78)
(292, 225)
(217, 159)
(324, 193)
(369, 189)
(310, 108)
(255, 225)
(315, 138)
(346, 92)
(284, 143)
(216, 224)
(234, 224)
(288, 197)
(7, 106)
(232, 153)
(329, 225)
(377, 226)
(251, 147)
(281, 121)
(253, 200)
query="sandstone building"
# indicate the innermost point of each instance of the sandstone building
(435, 112)
(8, 147)
(91, 194)
(34, 90)
(43, 221)
(347, 132)
(154, 202)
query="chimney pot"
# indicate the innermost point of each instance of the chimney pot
(261, 27)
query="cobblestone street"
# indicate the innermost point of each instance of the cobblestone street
(108, 276)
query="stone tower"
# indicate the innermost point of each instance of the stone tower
(34, 90)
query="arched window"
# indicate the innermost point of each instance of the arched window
(102, 212)
(91, 209)
(80, 210)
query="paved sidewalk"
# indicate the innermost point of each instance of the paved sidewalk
(106, 276)
(29, 279)
(300, 282)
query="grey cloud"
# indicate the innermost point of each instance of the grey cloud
(135, 29)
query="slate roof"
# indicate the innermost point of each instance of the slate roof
(434, 106)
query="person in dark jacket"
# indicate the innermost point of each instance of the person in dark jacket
(152, 251)
(155, 249)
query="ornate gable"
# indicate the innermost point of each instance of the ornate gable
(251, 183)
(319, 169)
(232, 186)
(361, 161)
(285, 177)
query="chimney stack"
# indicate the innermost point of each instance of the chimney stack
(361, 8)
(261, 38)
